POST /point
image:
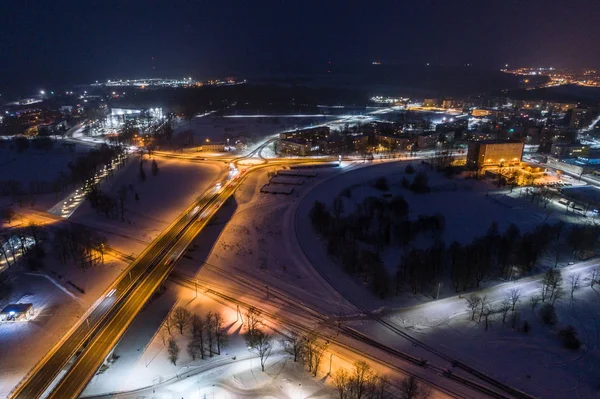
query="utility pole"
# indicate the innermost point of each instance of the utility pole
(438, 290)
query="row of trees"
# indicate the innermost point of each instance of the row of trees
(80, 170)
(357, 239)
(207, 334)
(552, 288)
(83, 247)
(22, 143)
(364, 383)
(493, 255)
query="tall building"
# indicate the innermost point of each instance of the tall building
(577, 118)
(494, 153)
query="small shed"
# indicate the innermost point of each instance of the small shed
(17, 311)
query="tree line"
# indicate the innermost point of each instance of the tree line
(80, 170)
(552, 288)
(80, 246)
(356, 239)
(207, 334)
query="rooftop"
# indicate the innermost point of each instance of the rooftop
(16, 308)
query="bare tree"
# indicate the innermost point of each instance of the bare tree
(342, 382)
(505, 307)
(594, 276)
(313, 350)
(262, 345)
(487, 311)
(551, 285)
(515, 294)
(361, 377)
(173, 351)
(318, 351)
(534, 300)
(210, 336)
(556, 290)
(168, 325)
(514, 319)
(410, 388)
(220, 335)
(473, 302)
(181, 317)
(5, 249)
(363, 383)
(482, 306)
(198, 333)
(294, 345)
(574, 280)
(253, 320)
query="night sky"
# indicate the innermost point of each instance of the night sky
(51, 42)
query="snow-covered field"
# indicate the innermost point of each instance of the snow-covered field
(32, 165)
(24, 343)
(161, 199)
(227, 256)
(215, 129)
(142, 368)
(468, 206)
(250, 244)
(533, 361)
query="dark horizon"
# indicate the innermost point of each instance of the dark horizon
(67, 42)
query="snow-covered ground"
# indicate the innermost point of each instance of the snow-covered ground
(32, 165)
(528, 361)
(248, 252)
(142, 368)
(468, 206)
(533, 361)
(24, 343)
(215, 129)
(161, 199)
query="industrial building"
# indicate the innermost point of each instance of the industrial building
(494, 153)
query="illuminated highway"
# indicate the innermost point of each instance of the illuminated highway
(100, 330)
(129, 284)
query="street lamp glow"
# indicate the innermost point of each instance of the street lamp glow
(42, 92)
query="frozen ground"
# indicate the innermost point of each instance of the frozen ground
(257, 243)
(34, 165)
(161, 199)
(57, 306)
(215, 129)
(469, 208)
(535, 362)
(23, 343)
(232, 261)
(142, 368)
